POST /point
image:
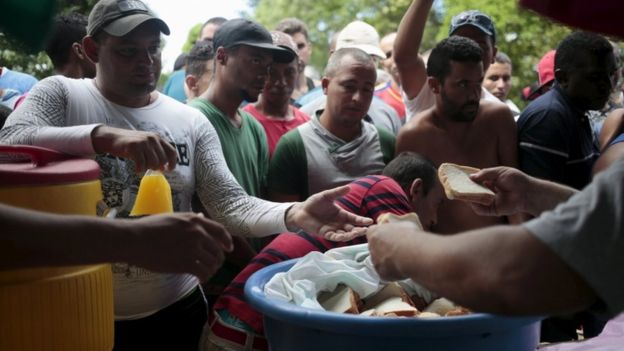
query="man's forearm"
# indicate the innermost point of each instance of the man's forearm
(410, 32)
(31, 238)
(544, 195)
(502, 269)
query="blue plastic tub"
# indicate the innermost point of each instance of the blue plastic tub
(289, 327)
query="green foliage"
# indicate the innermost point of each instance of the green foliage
(521, 34)
(17, 56)
(326, 17)
(192, 37)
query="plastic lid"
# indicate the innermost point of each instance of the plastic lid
(32, 165)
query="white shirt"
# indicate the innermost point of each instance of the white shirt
(60, 113)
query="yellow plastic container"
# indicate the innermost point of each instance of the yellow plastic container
(54, 308)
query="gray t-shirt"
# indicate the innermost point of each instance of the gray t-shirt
(587, 232)
(379, 113)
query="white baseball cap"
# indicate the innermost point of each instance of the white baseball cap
(361, 35)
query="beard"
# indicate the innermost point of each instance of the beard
(466, 112)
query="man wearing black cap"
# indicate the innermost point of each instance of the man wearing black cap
(244, 51)
(119, 118)
(471, 24)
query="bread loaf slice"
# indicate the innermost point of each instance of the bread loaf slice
(458, 185)
(391, 300)
(391, 217)
(395, 306)
(342, 300)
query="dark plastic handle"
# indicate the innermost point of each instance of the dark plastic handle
(40, 156)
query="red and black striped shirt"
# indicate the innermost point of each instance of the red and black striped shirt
(369, 196)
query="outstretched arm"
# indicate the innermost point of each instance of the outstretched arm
(517, 192)
(410, 64)
(173, 243)
(502, 269)
(319, 214)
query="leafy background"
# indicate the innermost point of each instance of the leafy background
(523, 35)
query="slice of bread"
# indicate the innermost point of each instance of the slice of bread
(458, 186)
(391, 300)
(342, 300)
(395, 306)
(441, 306)
(391, 217)
(428, 315)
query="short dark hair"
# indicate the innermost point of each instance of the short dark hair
(292, 26)
(67, 30)
(567, 54)
(453, 48)
(502, 57)
(180, 61)
(5, 111)
(217, 21)
(408, 166)
(196, 59)
(335, 60)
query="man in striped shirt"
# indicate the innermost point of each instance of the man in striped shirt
(409, 184)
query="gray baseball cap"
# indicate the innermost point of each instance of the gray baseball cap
(120, 17)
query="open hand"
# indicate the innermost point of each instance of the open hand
(319, 214)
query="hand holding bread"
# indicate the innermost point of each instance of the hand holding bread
(459, 186)
(511, 187)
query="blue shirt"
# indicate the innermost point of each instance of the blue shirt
(556, 140)
(19, 81)
(174, 87)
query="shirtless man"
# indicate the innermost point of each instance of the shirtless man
(461, 127)
(411, 66)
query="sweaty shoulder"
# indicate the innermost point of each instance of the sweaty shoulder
(409, 136)
(418, 122)
(495, 113)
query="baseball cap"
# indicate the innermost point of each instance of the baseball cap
(546, 68)
(285, 41)
(120, 17)
(242, 31)
(360, 35)
(476, 19)
(545, 73)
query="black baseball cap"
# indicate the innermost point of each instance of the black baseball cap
(120, 17)
(242, 31)
(476, 19)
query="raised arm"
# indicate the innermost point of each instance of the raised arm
(410, 64)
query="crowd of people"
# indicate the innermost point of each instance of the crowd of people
(280, 164)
